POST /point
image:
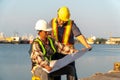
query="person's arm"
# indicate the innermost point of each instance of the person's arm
(64, 49)
(82, 39)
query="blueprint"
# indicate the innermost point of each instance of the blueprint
(57, 64)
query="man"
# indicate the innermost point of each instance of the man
(64, 30)
(41, 51)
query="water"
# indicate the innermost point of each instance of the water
(15, 63)
(100, 59)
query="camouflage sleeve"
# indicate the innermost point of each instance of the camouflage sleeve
(37, 55)
(64, 49)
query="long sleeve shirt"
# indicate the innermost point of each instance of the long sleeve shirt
(37, 56)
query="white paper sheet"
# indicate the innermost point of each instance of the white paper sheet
(57, 64)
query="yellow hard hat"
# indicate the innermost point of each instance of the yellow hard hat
(64, 13)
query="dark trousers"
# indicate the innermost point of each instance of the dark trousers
(68, 70)
(64, 70)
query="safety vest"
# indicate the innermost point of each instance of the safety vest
(66, 33)
(43, 48)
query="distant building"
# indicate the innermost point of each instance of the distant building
(91, 40)
(2, 38)
(8, 39)
(30, 38)
(15, 39)
(113, 40)
(12, 39)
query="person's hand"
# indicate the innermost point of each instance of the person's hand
(48, 68)
(75, 50)
(90, 48)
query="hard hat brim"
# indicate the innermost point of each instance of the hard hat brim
(42, 25)
(38, 29)
(64, 19)
(48, 29)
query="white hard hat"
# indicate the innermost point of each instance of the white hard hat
(42, 25)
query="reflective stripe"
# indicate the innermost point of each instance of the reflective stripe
(41, 44)
(66, 33)
(43, 48)
(54, 29)
(52, 45)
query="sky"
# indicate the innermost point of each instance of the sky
(100, 18)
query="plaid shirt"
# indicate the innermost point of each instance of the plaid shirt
(38, 58)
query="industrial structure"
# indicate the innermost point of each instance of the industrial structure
(113, 40)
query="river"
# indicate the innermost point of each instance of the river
(15, 63)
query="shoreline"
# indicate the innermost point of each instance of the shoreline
(110, 75)
(103, 76)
